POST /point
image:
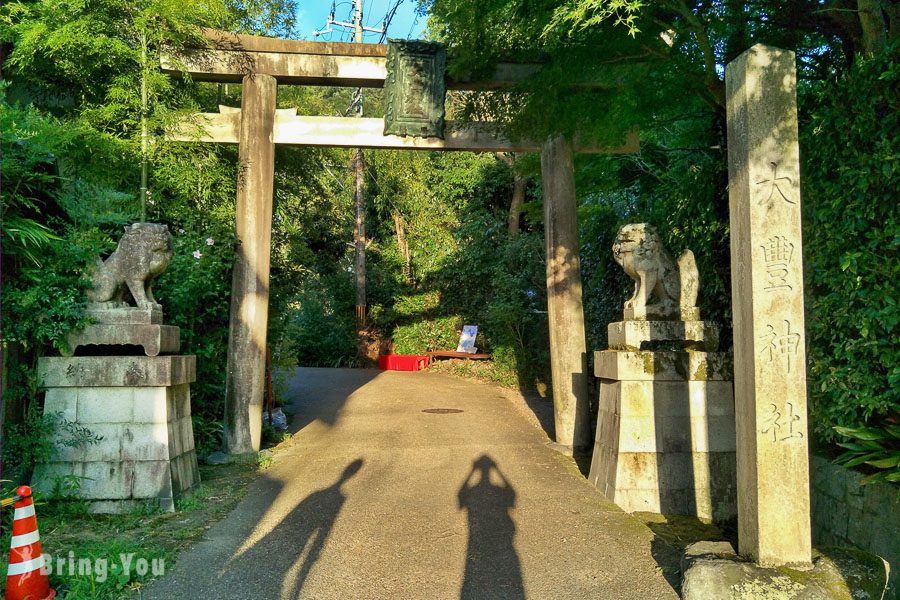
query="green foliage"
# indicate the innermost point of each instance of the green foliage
(876, 447)
(196, 292)
(43, 305)
(33, 442)
(319, 328)
(424, 334)
(849, 140)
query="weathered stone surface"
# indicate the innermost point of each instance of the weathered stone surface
(712, 571)
(248, 325)
(146, 451)
(353, 132)
(105, 405)
(643, 335)
(138, 315)
(665, 436)
(568, 346)
(117, 371)
(152, 404)
(767, 296)
(155, 339)
(661, 290)
(143, 254)
(869, 525)
(663, 366)
(666, 447)
(62, 402)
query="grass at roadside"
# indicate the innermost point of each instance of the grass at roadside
(482, 370)
(112, 556)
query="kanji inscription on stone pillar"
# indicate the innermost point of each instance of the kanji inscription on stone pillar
(767, 296)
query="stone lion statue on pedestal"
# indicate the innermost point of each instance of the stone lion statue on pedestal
(662, 290)
(144, 252)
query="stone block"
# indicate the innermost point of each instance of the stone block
(145, 441)
(155, 339)
(108, 480)
(666, 445)
(151, 404)
(713, 571)
(662, 366)
(173, 438)
(677, 434)
(152, 479)
(181, 399)
(697, 399)
(855, 495)
(117, 371)
(63, 402)
(638, 335)
(150, 315)
(187, 434)
(185, 474)
(47, 474)
(105, 405)
(146, 452)
(107, 448)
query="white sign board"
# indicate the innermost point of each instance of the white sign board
(467, 339)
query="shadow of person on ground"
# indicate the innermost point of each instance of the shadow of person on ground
(290, 550)
(492, 564)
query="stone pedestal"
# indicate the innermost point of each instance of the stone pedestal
(155, 339)
(141, 407)
(665, 440)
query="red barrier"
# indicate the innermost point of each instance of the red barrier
(402, 362)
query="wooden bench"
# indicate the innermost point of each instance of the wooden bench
(453, 354)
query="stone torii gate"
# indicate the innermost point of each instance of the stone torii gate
(260, 64)
(766, 251)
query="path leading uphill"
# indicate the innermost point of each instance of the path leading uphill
(417, 486)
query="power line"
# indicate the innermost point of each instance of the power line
(388, 17)
(413, 26)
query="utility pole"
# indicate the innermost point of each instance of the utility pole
(359, 166)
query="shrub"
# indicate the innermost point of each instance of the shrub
(852, 236)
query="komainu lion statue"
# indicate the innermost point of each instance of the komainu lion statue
(143, 254)
(661, 290)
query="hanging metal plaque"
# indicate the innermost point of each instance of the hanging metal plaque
(414, 89)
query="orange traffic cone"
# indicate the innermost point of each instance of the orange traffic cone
(26, 578)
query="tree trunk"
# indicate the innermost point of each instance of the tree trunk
(736, 42)
(873, 25)
(515, 205)
(518, 194)
(359, 237)
(403, 245)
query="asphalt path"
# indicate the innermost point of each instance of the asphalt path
(417, 485)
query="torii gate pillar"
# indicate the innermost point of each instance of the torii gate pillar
(245, 379)
(568, 347)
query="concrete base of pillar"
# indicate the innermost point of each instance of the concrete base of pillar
(665, 440)
(141, 407)
(712, 571)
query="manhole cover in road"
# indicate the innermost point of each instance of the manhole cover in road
(442, 411)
